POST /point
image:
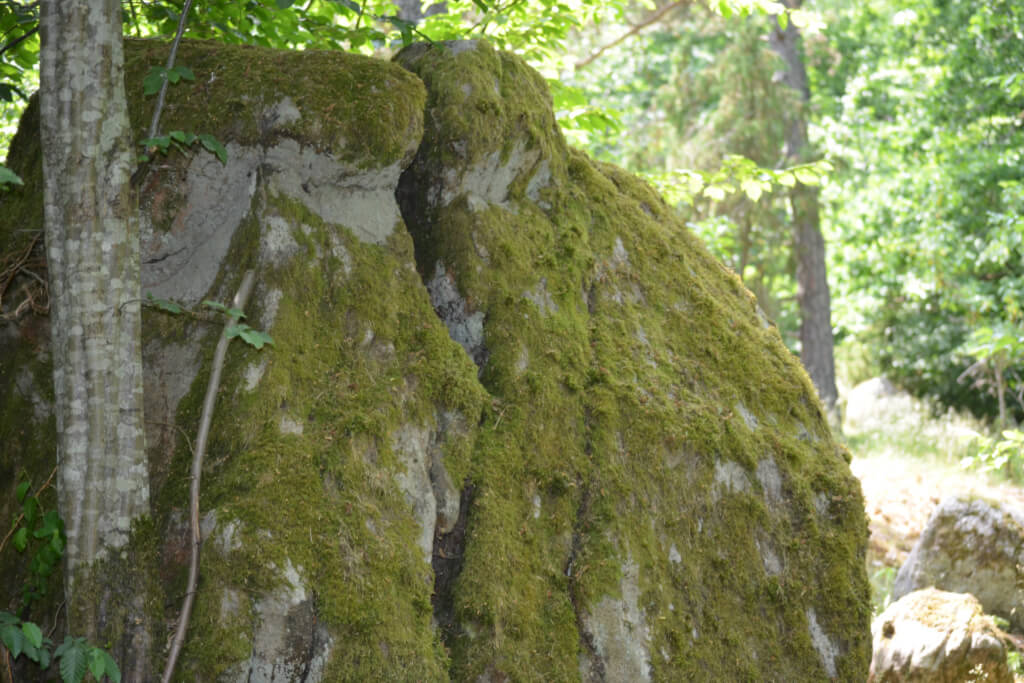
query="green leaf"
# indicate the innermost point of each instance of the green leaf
(405, 28)
(97, 665)
(44, 657)
(30, 508)
(255, 338)
(52, 523)
(714, 192)
(184, 72)
(73, 664)
(20, 539)
(213, 145)
(22, 491)
(752, 189)
(807, 177)
(9, 177)
(32, 633)
(783, 20)
(57, 543)
(110, 667)
(153, 80)
(215, 305)
(162, 143)
(63, 647)
(285, 4)
(168, 306)
(13, 639)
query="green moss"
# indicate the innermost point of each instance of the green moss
(363, 107)
(635, 384)
(357, 355)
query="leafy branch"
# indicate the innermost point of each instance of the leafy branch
(254, 338)
(168, 71)
(156, 82)
(182, 140)
(76, 656)
(737, 174)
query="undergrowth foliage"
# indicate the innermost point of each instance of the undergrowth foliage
(39, 533)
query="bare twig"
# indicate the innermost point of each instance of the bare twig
(633, 30)
(197, 469)
(56, 618)
(17, 263)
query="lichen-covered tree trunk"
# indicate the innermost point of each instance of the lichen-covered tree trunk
(93, 258)
(816, 348)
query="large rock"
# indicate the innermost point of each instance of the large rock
(518, 424)
(876, 404)
(931, 636)
(971, 545)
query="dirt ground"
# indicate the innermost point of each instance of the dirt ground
(900, 494)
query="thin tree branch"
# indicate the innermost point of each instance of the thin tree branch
(135, 18)
(656, 16)
(359, 17)
(244, 290)
(154, 125)
(19, 40)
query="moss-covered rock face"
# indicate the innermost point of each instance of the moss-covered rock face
(518, 424)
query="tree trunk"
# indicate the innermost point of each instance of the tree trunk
(92, 242)
(808, 244)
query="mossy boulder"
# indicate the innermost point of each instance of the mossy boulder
(518, 424)
(937, 637)
(971, 545)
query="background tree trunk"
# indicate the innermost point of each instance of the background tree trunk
(816, 348)
(93, 257)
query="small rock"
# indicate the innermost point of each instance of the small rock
(938, 637)
(971, 545)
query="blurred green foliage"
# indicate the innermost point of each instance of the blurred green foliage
(921, 108)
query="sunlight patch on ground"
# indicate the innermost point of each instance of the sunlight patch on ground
(907, 461)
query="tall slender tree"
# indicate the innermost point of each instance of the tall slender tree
(92, 241)
(816, 344)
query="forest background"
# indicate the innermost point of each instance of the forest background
(913, 117)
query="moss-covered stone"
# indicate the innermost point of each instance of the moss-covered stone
(659, 483)
(634, 481)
